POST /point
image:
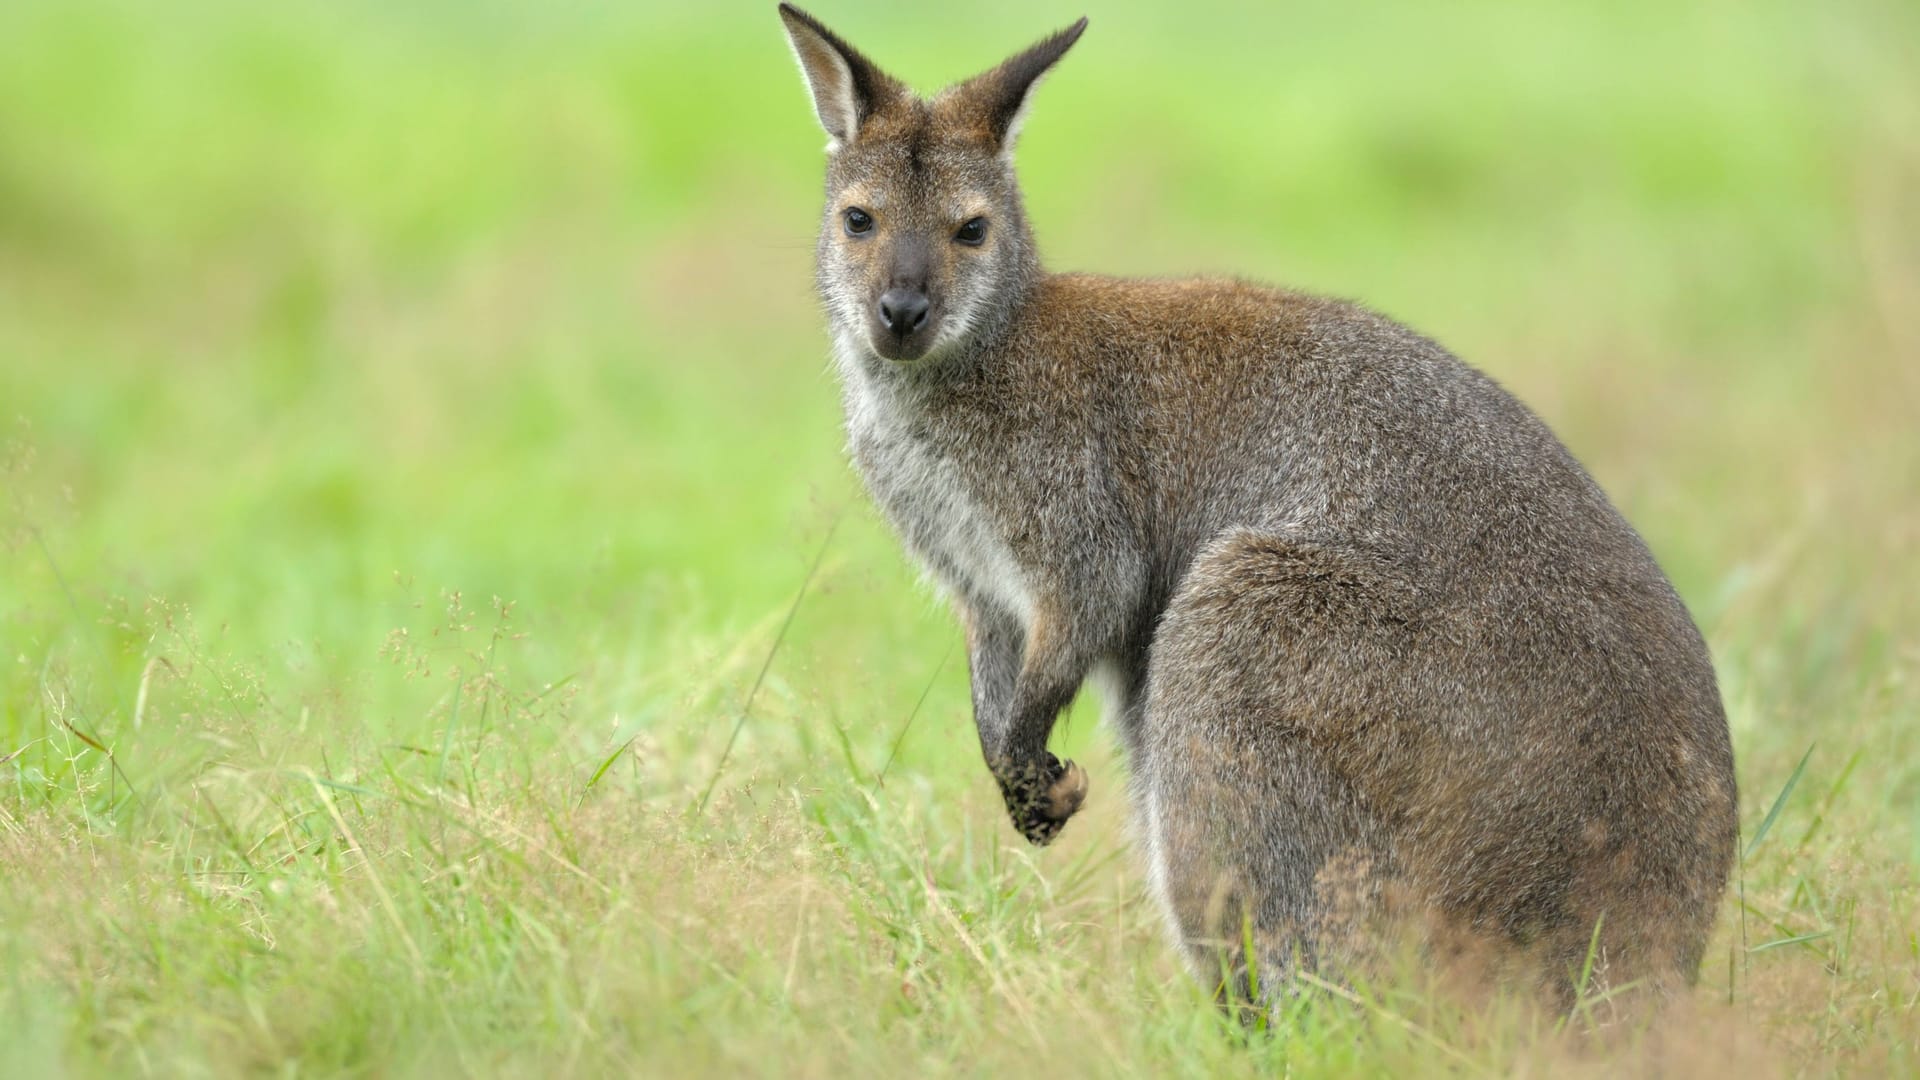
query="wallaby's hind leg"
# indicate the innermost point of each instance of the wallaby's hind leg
(1259, 848)
(1261, 875)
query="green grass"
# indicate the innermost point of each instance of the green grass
(398, 511)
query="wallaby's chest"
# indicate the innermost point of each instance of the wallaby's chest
(931, 494)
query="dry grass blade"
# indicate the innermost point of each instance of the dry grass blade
(146, 681)
(84, 737)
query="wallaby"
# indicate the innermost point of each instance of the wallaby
(1374, 643)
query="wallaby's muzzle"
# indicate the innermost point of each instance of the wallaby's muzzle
(903, 315)
(904, 311)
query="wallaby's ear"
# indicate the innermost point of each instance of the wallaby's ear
(998, 98)
(847, 88)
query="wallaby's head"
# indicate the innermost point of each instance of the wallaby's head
(924, 243)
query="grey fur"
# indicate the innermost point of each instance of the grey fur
(1381, 650)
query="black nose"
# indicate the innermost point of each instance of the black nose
(904, 310)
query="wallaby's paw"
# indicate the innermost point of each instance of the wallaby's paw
(1040, 799)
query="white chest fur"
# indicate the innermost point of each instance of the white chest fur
(932, 504)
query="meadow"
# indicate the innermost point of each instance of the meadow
(440, 633)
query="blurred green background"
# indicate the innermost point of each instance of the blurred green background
(321, 324)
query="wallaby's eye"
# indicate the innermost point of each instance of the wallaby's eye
(858, 221)
(973, 233)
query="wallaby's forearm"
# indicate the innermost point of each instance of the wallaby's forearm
(1021, 684)
(995, 644)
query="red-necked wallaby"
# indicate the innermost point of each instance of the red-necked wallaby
(1373, 641)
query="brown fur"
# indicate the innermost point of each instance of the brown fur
(1380, 648)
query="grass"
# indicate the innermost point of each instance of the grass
(409, 656)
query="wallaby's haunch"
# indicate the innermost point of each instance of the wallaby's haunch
(1375, 644)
